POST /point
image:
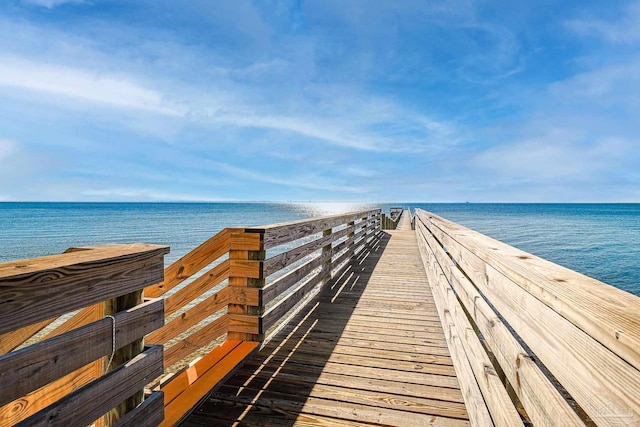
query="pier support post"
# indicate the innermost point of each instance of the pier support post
(350, 236)
(326, 259)
(124, 354)
(246, 280)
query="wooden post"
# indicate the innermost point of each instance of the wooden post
(352, 245)
(246, 280)
(326, 259)
(124, 354)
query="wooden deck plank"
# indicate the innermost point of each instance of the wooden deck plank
(368, 349)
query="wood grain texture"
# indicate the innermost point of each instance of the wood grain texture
(190, 318)
(245, 268)
(246, 279)
(366, 349)
(244, 323)
(479, 414)
(277, 234)
(193, 290)
(91, 401)
(270, 317)
(243, 241)
(608, 314)
(245, 296)
(124, 354)
(198, 339)
(200, 387)
(594, 376)
(32, 402)
(493, 393)
(287, 258)
(83, 317)
(149, 414)
(277, 311)
(540, 398)
(19, 409)
(277, 287)
(11, 340)
(30, 368)
(36, 290)
(181, 382)
(35, 270)
(192, 262)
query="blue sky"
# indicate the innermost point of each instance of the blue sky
(433, 101)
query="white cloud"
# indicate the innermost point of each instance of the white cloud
(396, 132)
(558, 156)
(81, 84)
(359, 171)
(50, 4)
(607, 85)
(308, 182)
(624, 30)
(143, 194)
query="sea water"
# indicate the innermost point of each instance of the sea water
(599, 240)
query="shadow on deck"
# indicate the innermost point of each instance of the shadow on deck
(361, 352)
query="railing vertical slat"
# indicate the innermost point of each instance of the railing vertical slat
(124, 354)
(325, 272)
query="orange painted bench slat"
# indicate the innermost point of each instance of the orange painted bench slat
(183, 392)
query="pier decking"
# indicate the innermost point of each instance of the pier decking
(369, 348)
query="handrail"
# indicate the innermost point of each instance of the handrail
(63, 376)
(269, 270)
(584, 333)
(391, 221)
(304, 265)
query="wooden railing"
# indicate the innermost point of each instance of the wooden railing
(391, 221)
(269, 270)
(61, 379)
(334, 240)
(219, 301)
(567, 346)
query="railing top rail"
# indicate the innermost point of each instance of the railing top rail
(340, 217)
(277, 234)
(38, 289)
(78, 256)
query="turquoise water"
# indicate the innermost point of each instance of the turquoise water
(599, 240)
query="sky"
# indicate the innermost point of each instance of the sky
(344, 100)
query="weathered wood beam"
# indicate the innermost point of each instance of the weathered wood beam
(96, 398)
(30, 368)
(39, 289)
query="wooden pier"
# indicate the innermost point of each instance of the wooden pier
(369, 348)
(353, 319)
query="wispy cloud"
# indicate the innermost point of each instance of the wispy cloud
(307, 181)
(624, 29)
(50, 4)
(335, 131)
(606, 85)
(85, 85)
(143, 194)
(556, 156)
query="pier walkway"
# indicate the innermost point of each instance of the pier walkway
(369, 348)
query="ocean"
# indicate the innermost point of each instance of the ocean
(599, 240)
